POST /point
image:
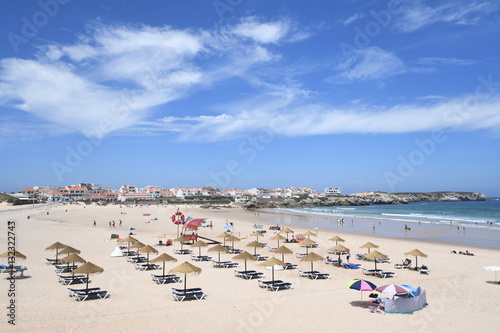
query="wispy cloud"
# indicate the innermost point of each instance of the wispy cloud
(417, 15)
(371, 63)
(120, 73)
(445, 61)
(351, 19)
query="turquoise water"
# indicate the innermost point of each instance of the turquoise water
(465, 213)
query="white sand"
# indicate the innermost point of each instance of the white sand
(459, 295)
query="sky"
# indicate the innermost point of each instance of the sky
(394, 96)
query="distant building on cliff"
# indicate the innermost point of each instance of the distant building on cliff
(332, 191)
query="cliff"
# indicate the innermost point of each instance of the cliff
(364, 199)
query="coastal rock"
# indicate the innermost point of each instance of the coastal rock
(364, 199)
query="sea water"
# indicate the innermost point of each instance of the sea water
(464, 213)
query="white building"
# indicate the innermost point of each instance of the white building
(332, 191)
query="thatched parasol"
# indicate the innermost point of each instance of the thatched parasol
(199, 244)
(73, 257)
(186, 268)
(14, 253)
(163, 258)
(128, 240)
(339, 248)
(218, 248)
(312, 257)
(181, 240)
(376, 255)
(148, 249)
(69, 250)
(307, 243)
(283, 250)
(368, 246)
(56, 246)
(224, 235)
(271, 262)
(417, 253)
(88, 268)
(245, 256)
(287, 231)
(277, 237)
(257, 235)
(337, 239)
(232, 239)
(255, 245)
(309, 234)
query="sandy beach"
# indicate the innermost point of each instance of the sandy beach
(461, 295)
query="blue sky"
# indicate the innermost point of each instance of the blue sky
(379, 95)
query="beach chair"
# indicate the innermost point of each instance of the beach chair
(65, 268)
(230, 264)
(13, 270)
(135, 260)
(290, 266)
(83, 296)
(69, 280)
(266, 284)
(146, 267)
(52, 261)
(383, 274)
(3, 268)
(280, 286)
(320, 276)
(423, 269)
(240, 273)
(405, 264)
(235, 251)
(300, 255)
(331, 262)
(183, 251)
(129, 253)
(162, 279)
(261, 258)
(308, 274)
(360, 257)
(73, 292)
(350, 266)
(371, 271)
(193, 293)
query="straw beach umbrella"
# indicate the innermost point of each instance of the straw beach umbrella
(56, 246)
(181, 240)
(312, 257)
(283, 250)
(128, 240)
(69, 250)
(339, 248)
(277, 237)
(137, 245)
(287, 231)
(186, 268)
(257, 235)
(14, 253)
(309, 234)
(337, 239)
(232, 239)
(307, 243)
(417, 253)
(368, 246)
(199, 244)
(148, 249)
(88, 268)
(376, 255)
(272, 262)
(163, 258)
(72, 258)
(255, 245)
(224, 235)
(218, 248)
(245, 256)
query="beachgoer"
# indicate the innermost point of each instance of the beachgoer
(110, 224)
(347, 257)
(113, 223)
(120, 223)
(94, 223)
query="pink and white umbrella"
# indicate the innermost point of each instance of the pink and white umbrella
(393, 289)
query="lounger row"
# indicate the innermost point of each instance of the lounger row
(52, 261)
(350, 266)
(201, 258)
(129, 253)
(183, 251)
(225, 264)
(77, 279)
(65, 268)
(183, 294)
(146, 267)
(275, 285)
(290, 266)
(248, 275)
(314, 275)
(135, 260)
(87, 294)
(13, 270)
(261, 258)
(162, 279)
(378, 272)
(362, 257)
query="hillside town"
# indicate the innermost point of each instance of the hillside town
(131, 193)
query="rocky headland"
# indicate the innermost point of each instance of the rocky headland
(364, 199)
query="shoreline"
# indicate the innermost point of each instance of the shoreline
(437, 233)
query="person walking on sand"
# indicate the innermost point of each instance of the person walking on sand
(113, 223)
(94, 223)
(120, 224)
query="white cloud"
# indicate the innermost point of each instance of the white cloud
(352, 18)
(263, 33)
(416, 15)
(371, 63)
(445, 61)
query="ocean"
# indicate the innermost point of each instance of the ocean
(481, 214)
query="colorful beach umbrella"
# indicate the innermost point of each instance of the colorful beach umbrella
(492, 269)
(392, 289)
(361, 285)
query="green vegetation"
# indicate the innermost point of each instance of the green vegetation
(7, 198)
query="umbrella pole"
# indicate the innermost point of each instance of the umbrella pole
(219, 256)
(184, 282)
(273, 274)
(311, 266)
(87, 287)
(163, 268)
(416, 262)
(246, 265)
